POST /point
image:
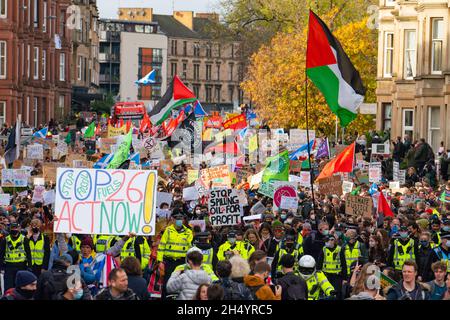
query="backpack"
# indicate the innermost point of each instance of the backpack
(53, 285)
(295, 292)
(253, 291)
(234, 291)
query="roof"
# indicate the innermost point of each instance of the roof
(173, 28)
(202, 26)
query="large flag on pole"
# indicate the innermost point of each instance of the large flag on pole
(90, 131)
(148, 79)
(302, 152)
(177, 94)
(383, 206)
(330, 69)
(121, 155)
(12, 149)
(342, 163)
(277, 168)
(104, 161)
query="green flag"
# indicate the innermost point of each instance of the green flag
(277, 168)
(121, 155)
(356, 191)
(90, 131)
(68, 138)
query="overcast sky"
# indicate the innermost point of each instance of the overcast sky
(108, 8)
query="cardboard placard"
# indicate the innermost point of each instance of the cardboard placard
(192, 176)
(190, 193)
(358, 206)
(224, 207)
(347, 187)
(15, 178)
(5, 199)
(330, 185)
(283, 188)
(290, 203)
(219, 176)
(38, 194)
(164, 197)
(267, 189)
(35, 152)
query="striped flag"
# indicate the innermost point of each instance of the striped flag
(41, 133)
(110, 264)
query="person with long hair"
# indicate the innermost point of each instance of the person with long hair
(377, 255)
(265, 234)
(362, 290)
(253, 238)
(202, 292)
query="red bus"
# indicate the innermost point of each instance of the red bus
(133, 111)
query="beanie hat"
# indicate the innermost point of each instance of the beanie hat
(24, 278)
(277, 224)
(423, 223)
(87, 242)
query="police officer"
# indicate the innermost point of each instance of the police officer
(316, 281)
(173, 246)
(39, 247)
(442, 252)
(333, 263)
(232, 245)
(247, 245)
(15, 255)
(288, 245)
(402, 248)
(202, 242)
(436, 231)
(102, 242)
(205, 267)
(136, 246)
(353, 249)
(75, 242)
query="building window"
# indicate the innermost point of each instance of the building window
(208, 72)
(44, 22)
(61, 105)
(218, 94)
(44, 64)
(232, 50)
(196, 88)
(218, 72)
(29, 12)
(387, 111)
(185, 48)
(230, 93)
(3, 59)
(2, 112)
(408, 123)
(219, 48)
(36, 63)
(196, 50)
(240, 72)
(436, 44)
(196, 71)
(174, 47)
(3, 10)
(79, 67)
(44, 110)
(62, 19)
(208, 51)
(28, 61)
(410, 54)
(231, 71)
(388, 53)
(35, 111)
(173, 69)
(36, 13)
(184, 70)
(28, 110)
(434, 128)
(62, 67)
(208, 93)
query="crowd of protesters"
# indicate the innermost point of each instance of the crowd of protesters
(315, 252)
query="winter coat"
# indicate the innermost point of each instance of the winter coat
(234, 290)
(187, 283)
(105, 294)
(361, 296)
(290, 280)
(139, 286)
(260, 290)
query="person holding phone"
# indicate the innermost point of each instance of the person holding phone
(259, 289)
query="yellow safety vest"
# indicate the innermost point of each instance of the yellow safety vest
(300, 243)
(208, 256)
(76, 243)
(316, 283)
(37, 251)
(207, 268)
(174, 244)
(249, 248)
(407, 253)
(282, 252)
(128, 251)
(15, 250)
(352, 255)
(332, 260)
(239, 246)
(102, 243)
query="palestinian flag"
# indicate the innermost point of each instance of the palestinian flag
(176, 95)
(330, 69)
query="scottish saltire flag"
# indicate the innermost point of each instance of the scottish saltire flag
(103, 162)
(251, 115)
(242, 133)
(198, 110)
(136, 158)
(41, 133)
(302, 152)
(148, 79)
(188, 108)
(373, 189)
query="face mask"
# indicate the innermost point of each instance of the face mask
(232, 240)
(283, 216)
(446, 228)
(35, 230)
(179, 223)
(325, 232)
(78, 295)
(424, 243)
(329, 245)
(404, 235)
(288, 221)
(27, 294)
(338, 234)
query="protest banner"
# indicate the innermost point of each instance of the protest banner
(113, 132)
(242, 197)
(46, 143)
(267, 189)
(298, 137)
(253, 217)
(39, 181)
(219, 176)
(394, 185)
(49, 171)
(163, 213)
(303, 180)
(192, 176)
(242, 174)
(347, 187)
(358, 206)
(374, 175)
(15, 178)
(49, 197)
(224, 207)
(106, 143)
(35, 152)
(330, 185)
(201, 189)
(236, 123)
(113, 202)
(190, 193)
(5, 199)
(38, 194)
(163, 197)
(253, 143)
(256, 179)
(283, 188)
(402, 177)
(290, 203)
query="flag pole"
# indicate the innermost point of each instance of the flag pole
(307, 123)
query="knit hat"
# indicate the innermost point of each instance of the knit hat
(24, 278)
(277, 225)
(423, 223)
(87, 242)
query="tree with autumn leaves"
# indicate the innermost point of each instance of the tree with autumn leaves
(275, 79)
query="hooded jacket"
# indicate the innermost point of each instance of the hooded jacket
(261, 290)
(187, 283)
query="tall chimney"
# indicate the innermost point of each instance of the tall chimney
(185, 17)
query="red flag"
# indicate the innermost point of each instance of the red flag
(145, 123)
(98, 130)
(121, 123)
(342, 163)
(383, 206)
(173, 124)
(128, 125)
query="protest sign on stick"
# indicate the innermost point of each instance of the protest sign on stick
(330, 185)
(358, 206)
(224, 207)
